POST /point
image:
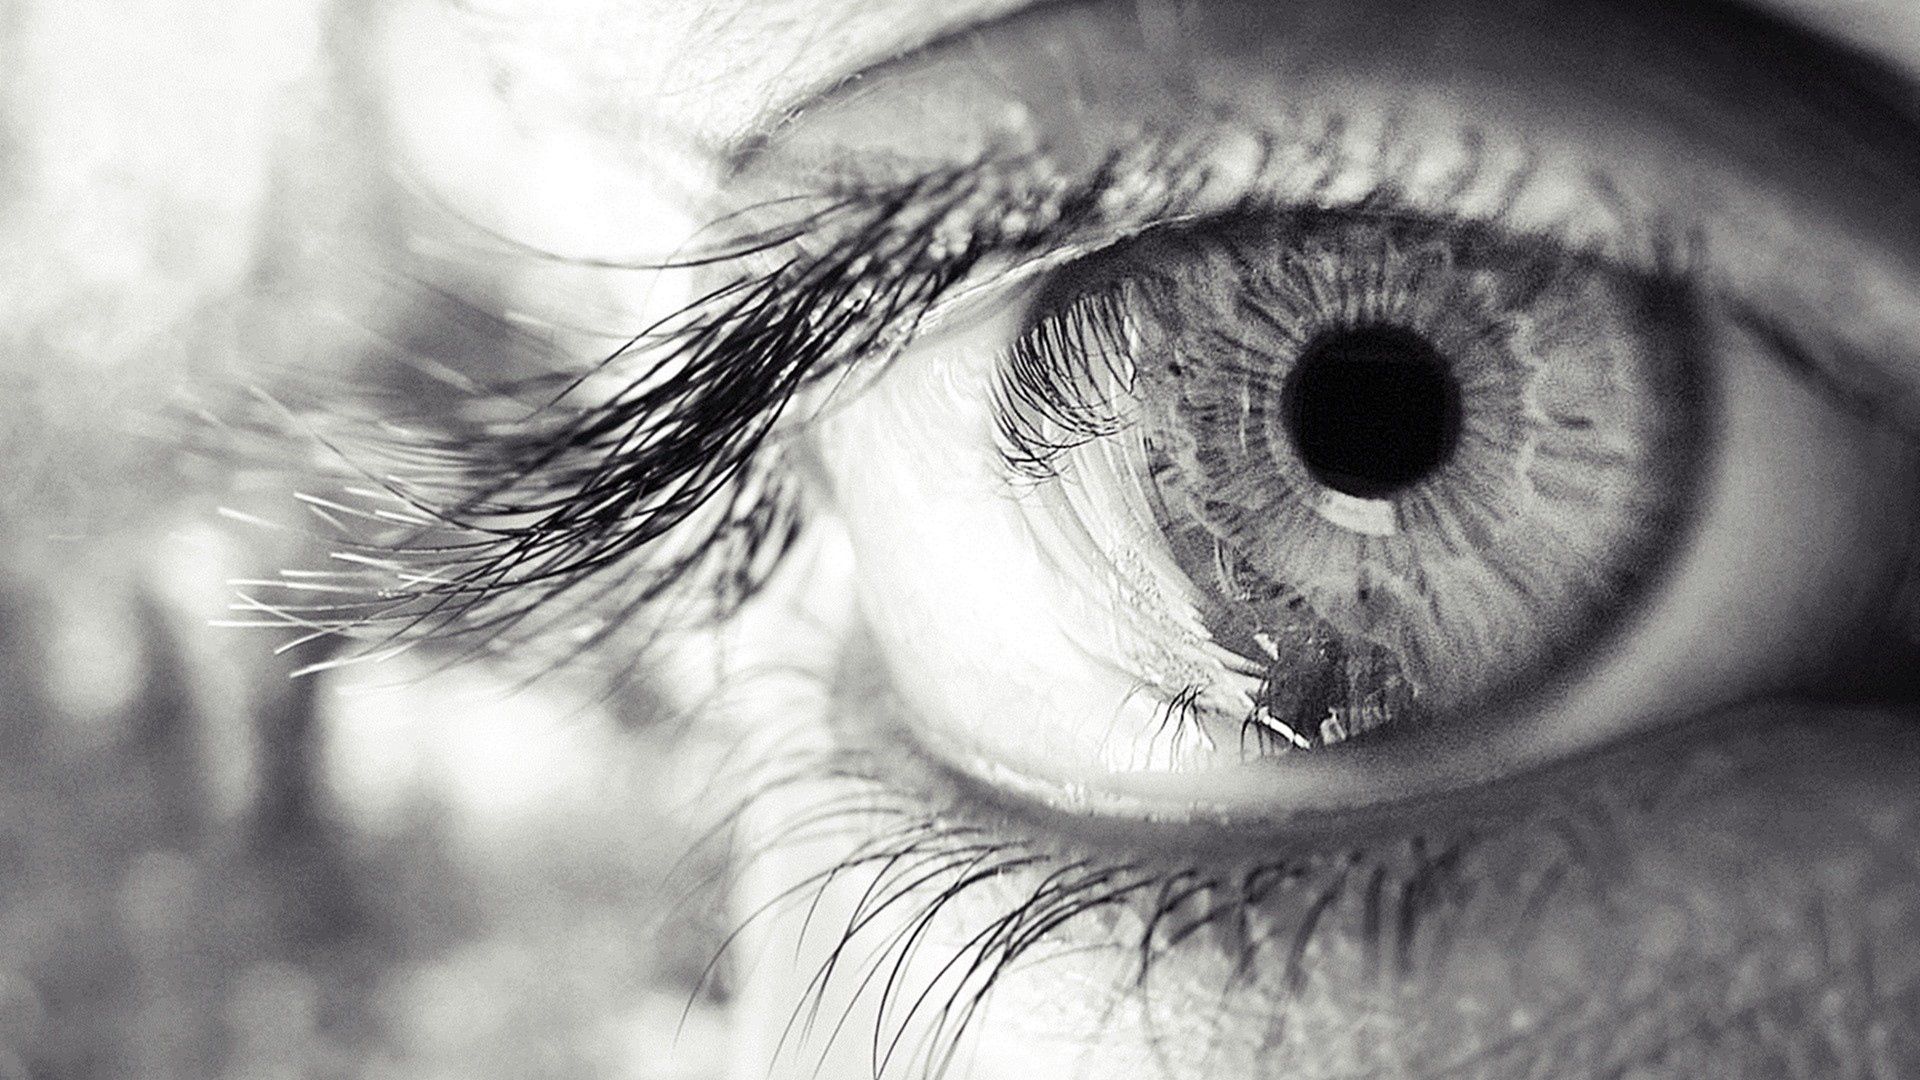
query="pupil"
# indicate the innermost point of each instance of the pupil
(1372, 410)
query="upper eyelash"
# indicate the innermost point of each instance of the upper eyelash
(1033, 393)
(602, 481)
(499, 531)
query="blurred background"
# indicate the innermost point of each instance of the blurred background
(207, 868)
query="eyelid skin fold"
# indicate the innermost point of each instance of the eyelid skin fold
(1589, 121)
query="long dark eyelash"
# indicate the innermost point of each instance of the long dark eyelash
(926, 857)
(531, 509)
(487, 531)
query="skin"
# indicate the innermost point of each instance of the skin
(1738, 901)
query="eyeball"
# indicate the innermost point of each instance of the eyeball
(1203, 512)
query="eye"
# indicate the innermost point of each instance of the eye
(1293, 506)
(1230, 526)
(1253, 488)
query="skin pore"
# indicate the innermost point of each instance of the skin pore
(1735, 898)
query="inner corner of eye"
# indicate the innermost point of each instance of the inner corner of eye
(1282, 482)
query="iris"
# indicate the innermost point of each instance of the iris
(1400, 463)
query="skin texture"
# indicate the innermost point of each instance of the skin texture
(766, 67)
(1736, 901)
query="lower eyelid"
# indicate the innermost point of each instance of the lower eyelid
(1382, 930)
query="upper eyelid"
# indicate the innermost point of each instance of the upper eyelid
(1863, 383)
(1755, 69)
(1791, 148)
(1856, 349)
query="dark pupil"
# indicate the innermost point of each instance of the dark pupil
(1372, 410)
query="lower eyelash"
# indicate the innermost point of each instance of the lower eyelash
(929, 850)
(1281, 920)
(927, 863)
